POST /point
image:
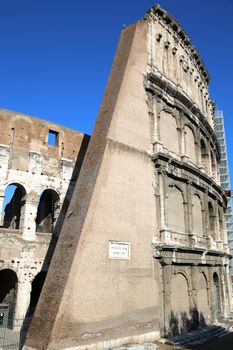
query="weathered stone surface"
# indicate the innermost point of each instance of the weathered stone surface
(149, 181)
(33, 166)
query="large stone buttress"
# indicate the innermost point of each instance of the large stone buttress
(143, 249)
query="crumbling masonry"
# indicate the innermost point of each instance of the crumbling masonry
(42, 177)
(143, 249)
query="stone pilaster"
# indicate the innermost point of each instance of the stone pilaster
(167, 276)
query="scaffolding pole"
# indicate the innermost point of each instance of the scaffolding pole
(224, 175)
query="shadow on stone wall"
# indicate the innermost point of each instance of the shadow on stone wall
(66, 202)
(56, 232)
(185, 322)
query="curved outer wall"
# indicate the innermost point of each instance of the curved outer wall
(149, 181)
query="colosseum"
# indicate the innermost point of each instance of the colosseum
(39, 162)
(142, 248)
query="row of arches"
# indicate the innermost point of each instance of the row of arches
(186, 314)
(186, 140)
(9, 292)
(13, 211)
(205, 217)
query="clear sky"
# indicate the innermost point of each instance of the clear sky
(56, 55)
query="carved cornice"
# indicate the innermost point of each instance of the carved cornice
(188, 173)
(171, 254)
(156, 85)
(177, 30)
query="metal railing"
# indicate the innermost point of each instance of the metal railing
(13, 336)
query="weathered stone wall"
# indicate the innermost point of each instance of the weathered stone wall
(34, 167)
(172, 54)
(149, 184)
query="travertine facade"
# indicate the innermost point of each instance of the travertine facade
(143, 249)
(43, 177)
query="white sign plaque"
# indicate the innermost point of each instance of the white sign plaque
(119, 250)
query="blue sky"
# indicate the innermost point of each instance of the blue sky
(56, 55)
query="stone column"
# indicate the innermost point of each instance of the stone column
(194, 279)
(183, 144)
(23, 298)
(217, 226)
(212, 299)
(208, 158)
(198, 150)
(229, 288)
(190, 270)
(182, 135)
(154, 116)
(30, 212)
(1, 205)
(156, 139)
(224, 235)
(167, 276)
(204, 214)
(162, 201)
(223, 293)
(188, 209)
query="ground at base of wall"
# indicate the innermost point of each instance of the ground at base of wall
(223, 343)
(146, 346)
(220, 339)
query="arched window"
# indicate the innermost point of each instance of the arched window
(8, 291)
(197, 215)
(175, 210)
(190, 148)
(46, 212)
(204, 155)
(13, 206)
(168, 132)
(211, 218)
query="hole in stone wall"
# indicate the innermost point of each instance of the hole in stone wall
(52, 138)
(46, 212)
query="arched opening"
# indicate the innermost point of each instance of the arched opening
(175, 210)
(168, 132)
(180, 305)
(211, 218)
(204, 155)
(190, 148)
(37, 285)
(8, 292)
(47, 211)
(13, 206)
(217, 307)
(203, 300)
(197, 215)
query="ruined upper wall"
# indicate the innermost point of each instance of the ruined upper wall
(29, 160)
(25, 140)
(175, 59)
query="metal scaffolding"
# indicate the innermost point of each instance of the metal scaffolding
(224, 175)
